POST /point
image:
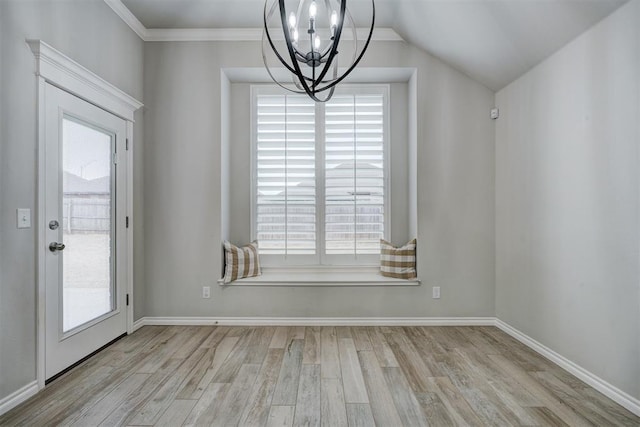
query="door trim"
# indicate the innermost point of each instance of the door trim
(53, 67)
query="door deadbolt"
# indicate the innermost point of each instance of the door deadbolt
(53, 225)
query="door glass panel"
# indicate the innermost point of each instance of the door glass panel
(87, 278)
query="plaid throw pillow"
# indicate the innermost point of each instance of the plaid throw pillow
(399, 263)
(240, 262)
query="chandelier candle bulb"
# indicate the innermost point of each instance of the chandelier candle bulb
(292, 20)
(313, 9)
(334, 23)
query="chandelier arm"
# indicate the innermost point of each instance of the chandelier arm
(264, 59)
(354, 32)
(366, 45)
(336, 40)
(287, 38)
(273, 47)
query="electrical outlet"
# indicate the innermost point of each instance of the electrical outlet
(206, 292)
(436, 292)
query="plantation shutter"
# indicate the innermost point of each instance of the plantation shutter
(354, 174)
(285, 175)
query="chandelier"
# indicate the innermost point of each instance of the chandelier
(310, 54)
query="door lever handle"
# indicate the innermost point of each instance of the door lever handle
(55, 246)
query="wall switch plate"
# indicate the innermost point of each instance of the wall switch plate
(206, 292)
(436, 292)
(23, 218)
(495, 113)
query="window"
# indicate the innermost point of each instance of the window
(320, 176)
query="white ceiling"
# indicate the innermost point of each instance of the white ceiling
(493, 41)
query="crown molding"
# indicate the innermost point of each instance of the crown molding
(246, 34)
(129, 18)
(220, 34)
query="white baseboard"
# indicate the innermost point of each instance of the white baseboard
(138, 324)
(612, 392)
(18, 396)
(318, 321)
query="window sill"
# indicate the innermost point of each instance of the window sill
(321, 276)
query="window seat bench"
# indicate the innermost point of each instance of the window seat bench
(334, 276)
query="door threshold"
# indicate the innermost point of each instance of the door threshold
(65, 370)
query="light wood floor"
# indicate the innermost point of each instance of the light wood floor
(283, 376)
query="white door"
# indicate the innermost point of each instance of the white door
(85, 193)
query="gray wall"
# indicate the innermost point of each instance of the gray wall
(90, 33)
(567, 201)
(182, 182)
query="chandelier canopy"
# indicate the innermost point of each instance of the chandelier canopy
(310, 54)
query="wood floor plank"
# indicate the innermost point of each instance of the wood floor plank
(176, 413)
(256, 412)
(517, 352)
(281, 416)
(407, 405)
(343, 332)
(98, 412)
(122, 414)
(545, 417)
(592, 412)
(434, 409)
(70, 401)
(426, 348)
(380, 346)
(53, 400)
(311, 352)
(484, 405)
(457, 406)
(297, 332)
(198, 375)
(361, 338)
(505, 393)
(382, 405)
(206, 406)
(202, 374)
(195, 341)
(329, 356)
(360, 415)
(218, 333)
(621, 415)
(166, 350)
(354, 388)
(149, 413)
(259, 345)
(308, 399)
(280, 337)
(333, 410)
(410, 362)
(286, 390)
(501, 383)
(236, 397)
(563, 411)
(232, 363)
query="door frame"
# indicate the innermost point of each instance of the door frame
(57, 69)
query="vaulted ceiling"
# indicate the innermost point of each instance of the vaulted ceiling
(492, 41)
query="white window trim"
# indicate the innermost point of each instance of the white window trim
(320, 259)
